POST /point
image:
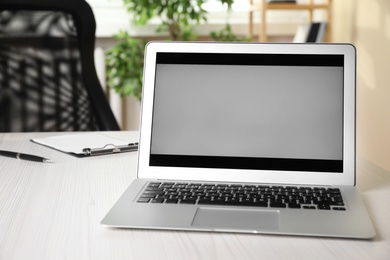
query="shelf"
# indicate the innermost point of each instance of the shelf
(264, 7)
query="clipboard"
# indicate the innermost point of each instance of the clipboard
(110, 148)
(87, 144)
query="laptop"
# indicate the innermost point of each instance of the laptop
(249, 138)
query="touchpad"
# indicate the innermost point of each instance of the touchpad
(221, 218)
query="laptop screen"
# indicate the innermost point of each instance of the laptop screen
(248, 111)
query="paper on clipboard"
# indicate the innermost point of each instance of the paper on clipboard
(76, 143)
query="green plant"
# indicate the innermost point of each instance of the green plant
(125, 60)
(125, 64)
(177, 16)
(227, 35)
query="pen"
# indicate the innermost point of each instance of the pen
(24, 156)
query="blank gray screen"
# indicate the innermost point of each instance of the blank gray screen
(248, 111)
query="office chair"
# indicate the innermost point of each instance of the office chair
(48, 80)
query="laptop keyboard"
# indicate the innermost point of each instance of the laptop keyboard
(243, 195)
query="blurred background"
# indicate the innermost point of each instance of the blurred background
(123, 29)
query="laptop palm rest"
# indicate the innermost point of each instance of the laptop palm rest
(247, 219)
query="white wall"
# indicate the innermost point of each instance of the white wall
(366, 23)
(372, 39)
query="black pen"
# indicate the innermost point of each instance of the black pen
(24, 156)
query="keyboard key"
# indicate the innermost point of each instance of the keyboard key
(150, 196)
(157, 200)
(294, 206)
(323, 206)
(212, 202)
(179, 186)
(188, 201)
(153, 192)
(334, 190)
(207, 186)
(143, 200)
(204, 201)
(154, 185)
(217, 199)
(172, 201)
(261, 204)
(339, 208)
(277, 205)
(153, 189)
(163, 197)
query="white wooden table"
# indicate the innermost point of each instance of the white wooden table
(53, 211)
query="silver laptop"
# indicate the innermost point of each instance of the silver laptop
(251, 138)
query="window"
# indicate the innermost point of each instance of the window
(111, 16)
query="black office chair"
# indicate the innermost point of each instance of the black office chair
(48, 80)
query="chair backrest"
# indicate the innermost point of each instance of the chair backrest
(48, 80)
